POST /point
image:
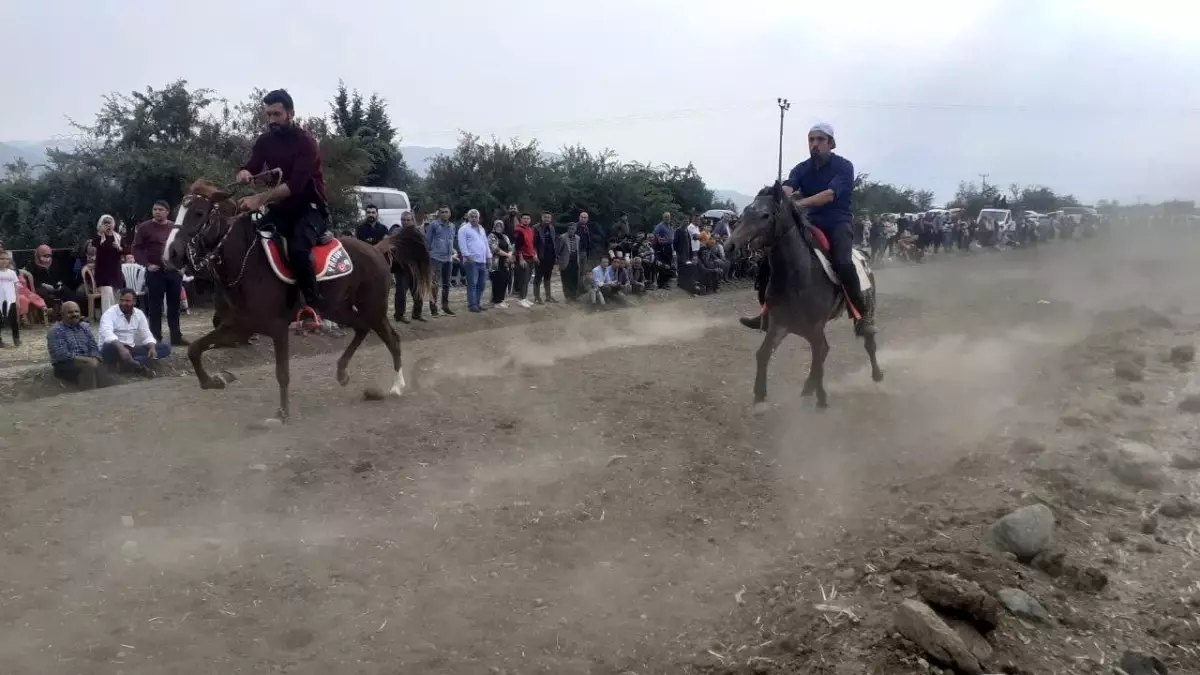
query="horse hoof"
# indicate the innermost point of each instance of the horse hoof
(808, 391)
(822, 405)
(760, 408)
(214, 382)
(264, 425)
(343, 378)
(227, 377)
(877, 376)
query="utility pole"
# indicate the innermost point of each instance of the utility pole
(983, 180)
(784, 105)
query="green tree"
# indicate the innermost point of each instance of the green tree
(370, 126)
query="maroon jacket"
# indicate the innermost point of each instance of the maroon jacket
(150, 242)
(296, 153)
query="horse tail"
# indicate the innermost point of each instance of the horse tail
(408, 249)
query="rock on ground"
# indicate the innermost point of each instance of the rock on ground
(1181, 354)
(960, 598)
(1128, 370)
(1025, 532)
(1141, 663)
(1023, 604)
(1190, 404)
(1130, 396)
(1178, 506)
(1139, 465)
(918, 622)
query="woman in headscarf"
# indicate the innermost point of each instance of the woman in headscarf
(502, 251)
(49, 282)
(107, 269)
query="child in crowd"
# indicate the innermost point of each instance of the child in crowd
(8, 298)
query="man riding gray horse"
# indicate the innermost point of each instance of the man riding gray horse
(823, 184)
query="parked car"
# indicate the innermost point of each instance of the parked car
(392, 203)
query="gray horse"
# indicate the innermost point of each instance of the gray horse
(800, 296)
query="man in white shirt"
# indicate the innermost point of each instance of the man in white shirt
(693, 230)
(125, 337)
(476, 253)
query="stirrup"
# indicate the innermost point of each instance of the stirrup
(311, 326)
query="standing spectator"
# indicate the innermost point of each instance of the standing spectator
(664, 261)
(149, 245)
(693, 233)
(473, 243)
(663, 228)
(584, 232)
(546, 247)
(721, 229)
(526, 260)
(569, 258)
(371, 230)
(9, 309)
(126, 339)
(685, 255)
(405, 284)
(501, 249)
(621, 227)
(74, 354)
(440, 236)
(107, 270)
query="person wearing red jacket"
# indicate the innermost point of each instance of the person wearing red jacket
(526, 259)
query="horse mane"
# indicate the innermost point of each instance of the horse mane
(798, 213)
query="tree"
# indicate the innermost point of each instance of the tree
(370, 126)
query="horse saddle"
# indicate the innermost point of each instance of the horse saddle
(821, 250)
(331, 260)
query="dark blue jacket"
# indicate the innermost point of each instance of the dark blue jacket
(837, 174)
(544, 241)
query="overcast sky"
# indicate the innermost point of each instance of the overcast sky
(1100, 98)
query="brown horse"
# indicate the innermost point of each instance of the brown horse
(251, 274)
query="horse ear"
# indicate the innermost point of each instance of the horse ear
(777, 191)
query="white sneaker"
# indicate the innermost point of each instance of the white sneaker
(526, 304)
(503, 305)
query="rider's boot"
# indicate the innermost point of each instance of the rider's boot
(757, 323)
(865, 325)
(309, 314)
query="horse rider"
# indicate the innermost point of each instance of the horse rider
(823, 184)
(299, 210)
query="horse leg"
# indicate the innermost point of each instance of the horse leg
(816, 371)
(869, 340)
(776, 332)
(343, 361)
(282, 370)
(222, 336)
(392, 339)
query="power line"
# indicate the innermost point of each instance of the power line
(755, 105)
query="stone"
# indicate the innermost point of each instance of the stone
(919, 623)
(1025, 532)
(1131, 396)
(1023, 445)
(1141, 663)
(1023, 605)
(1128, 370)
(1138, 465)
(959, 598)
(1181, 354)
(1178, 506)
(1186, 461)
(1190, 404)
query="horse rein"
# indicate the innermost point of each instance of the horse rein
(208, 260)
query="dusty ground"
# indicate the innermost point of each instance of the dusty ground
(590, 494)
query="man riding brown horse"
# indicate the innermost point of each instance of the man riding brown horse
(299, 209)
(823, 184)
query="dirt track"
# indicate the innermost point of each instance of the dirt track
(591, 494)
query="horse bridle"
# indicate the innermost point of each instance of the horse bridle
(198, 259)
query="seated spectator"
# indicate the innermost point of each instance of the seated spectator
(620, 279)
(74, 354)
(602, 281)
(637, 277)
(49, 282)
(126, 340)
(9, 283)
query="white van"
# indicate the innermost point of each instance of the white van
(392, 203)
